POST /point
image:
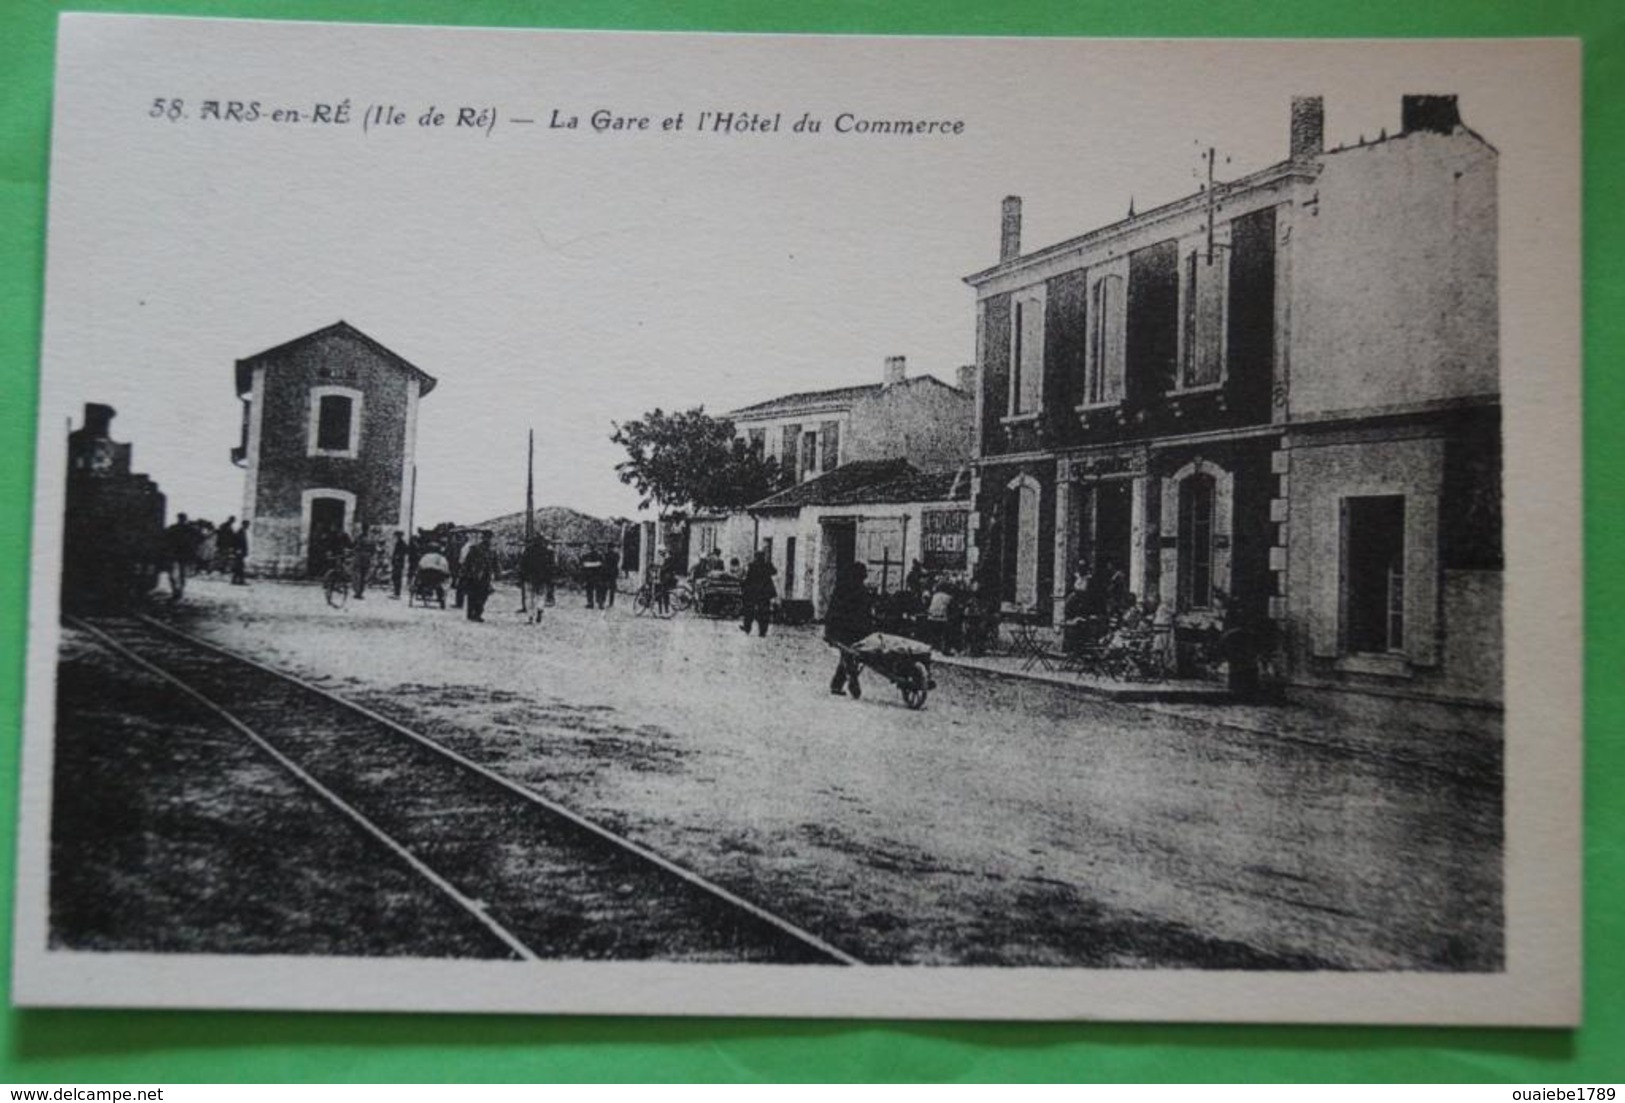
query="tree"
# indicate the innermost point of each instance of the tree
(688, 460)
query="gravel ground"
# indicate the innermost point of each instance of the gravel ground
(172, 833)
(1008, 823)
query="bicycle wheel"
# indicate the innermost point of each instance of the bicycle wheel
(337, 590)
(643, 603)
(681, 601)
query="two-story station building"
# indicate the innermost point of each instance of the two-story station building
(329, 444)
(1271, 404)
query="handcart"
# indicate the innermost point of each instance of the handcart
(429, 581)
(903, 662)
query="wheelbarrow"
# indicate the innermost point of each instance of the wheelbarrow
(903, 662)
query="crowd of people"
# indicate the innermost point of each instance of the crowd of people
(193, 546)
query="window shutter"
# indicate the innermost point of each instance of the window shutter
(1422, 579)
(831, 432)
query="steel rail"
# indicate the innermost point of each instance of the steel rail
(705, 885)
(469, 905)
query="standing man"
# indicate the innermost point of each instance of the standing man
(398, 557)
(547, 565)
(665, 582)
(757, 592)
(178, 549)
(478, 576)
(592, 573)
(847, 622)
(612, 576)
(536, 574)
(239, 555)
(363, 560)
(454, 557)
(225, 543)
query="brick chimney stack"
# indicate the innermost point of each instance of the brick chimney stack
(1436, 113)
(1010, 229)
(896, 368)
(1308, 127)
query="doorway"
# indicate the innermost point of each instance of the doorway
(327, 520)
(840, 549)
(1103, 536)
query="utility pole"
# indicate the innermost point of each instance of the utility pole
(530, 489)
(1211, 157)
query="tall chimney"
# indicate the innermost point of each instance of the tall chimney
(1308, 126)
(896, 368)
(1436, 113)
(1010, 229)
(967, 378)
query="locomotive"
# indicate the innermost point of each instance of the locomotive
(113, 524)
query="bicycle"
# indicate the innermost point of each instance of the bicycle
(647, 601)
(337, 583)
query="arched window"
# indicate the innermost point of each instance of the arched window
(1195, 541)
(1020, 574)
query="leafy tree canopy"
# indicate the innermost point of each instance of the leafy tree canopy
(687, 460)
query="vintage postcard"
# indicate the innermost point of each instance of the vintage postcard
(701, 524)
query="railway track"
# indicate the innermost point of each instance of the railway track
(544, 880)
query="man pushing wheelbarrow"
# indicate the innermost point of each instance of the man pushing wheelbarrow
(903, 662)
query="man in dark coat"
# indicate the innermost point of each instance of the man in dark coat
(179, 547)
(592, 577)
(398, 558)
(478, 577)
(363, 560)
(225, 544)
(536, 571)
(612, 576)
(757, 592)
(848, 620)
(239, 555)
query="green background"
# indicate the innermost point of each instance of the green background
(59, 1047)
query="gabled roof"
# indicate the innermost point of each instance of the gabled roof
(823, 400)
(790, 403)
(246, 366)
(871, 482)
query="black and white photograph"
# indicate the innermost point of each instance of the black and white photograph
(697, 524)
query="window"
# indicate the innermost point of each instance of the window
(758, 442)
(831, 432)
(335, 421)
(1153, 320)
(789, 449)
(1103, 362)
(1026, 354)
(1195, 541)
(809, 455)
(1374, 573)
